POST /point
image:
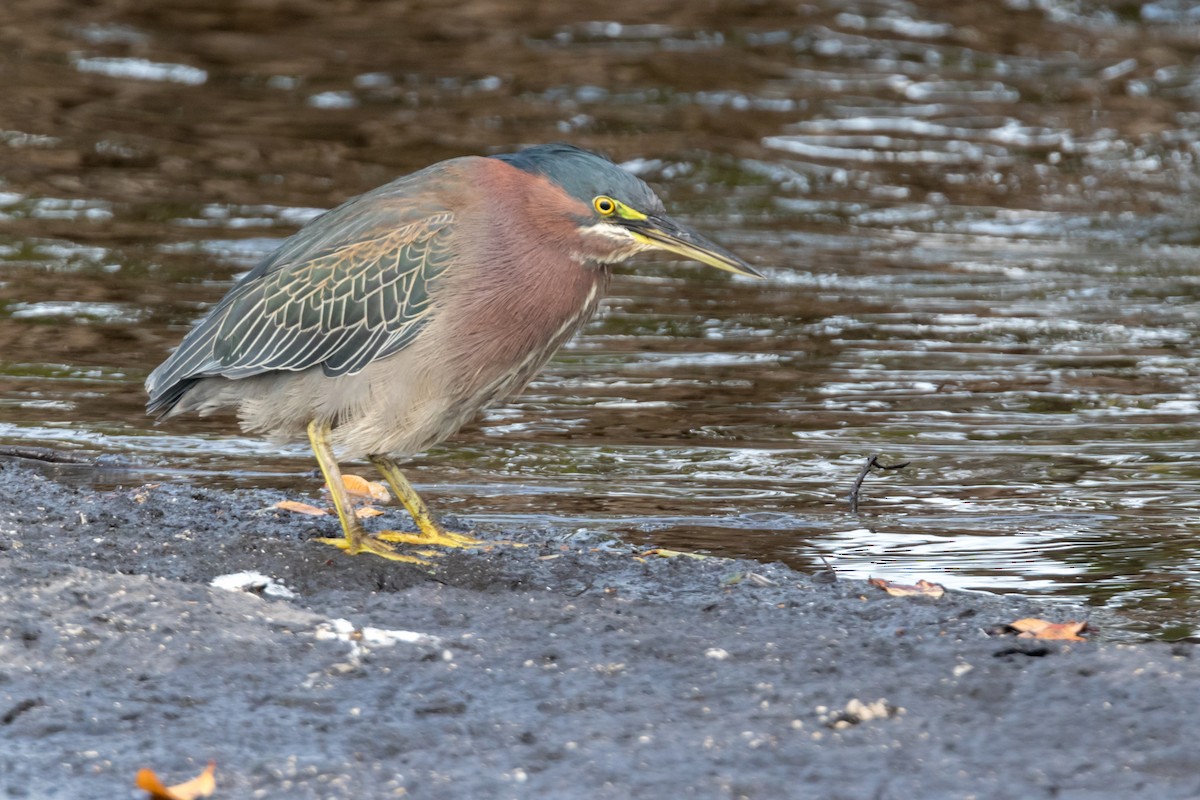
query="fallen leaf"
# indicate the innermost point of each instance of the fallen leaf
(360, 487)
(367, 511)
(922, 588)
(1032, 628)
(300, 508)
(663, 552)
(202, 785)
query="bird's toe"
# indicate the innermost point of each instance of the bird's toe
(435, 537)
(373, 545)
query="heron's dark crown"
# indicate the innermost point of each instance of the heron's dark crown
(585, 175)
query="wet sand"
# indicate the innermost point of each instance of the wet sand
(567, 668)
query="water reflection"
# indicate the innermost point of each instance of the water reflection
(979, 261)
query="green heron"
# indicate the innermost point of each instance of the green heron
(381, 327)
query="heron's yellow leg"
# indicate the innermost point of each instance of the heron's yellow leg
(354, 540)
(430, 532)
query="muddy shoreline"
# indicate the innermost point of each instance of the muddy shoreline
(566, 668)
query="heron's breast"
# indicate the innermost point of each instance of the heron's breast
(516, 321)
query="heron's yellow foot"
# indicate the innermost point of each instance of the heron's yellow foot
(431, 534)
(432, 537)
(371, 544)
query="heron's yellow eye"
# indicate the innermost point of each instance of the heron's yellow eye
(605, 206)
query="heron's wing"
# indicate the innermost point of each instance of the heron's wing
(341, 309)
(349, 288)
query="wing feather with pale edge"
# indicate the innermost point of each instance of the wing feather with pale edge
(348, 289)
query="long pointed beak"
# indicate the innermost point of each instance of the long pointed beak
(664, 233)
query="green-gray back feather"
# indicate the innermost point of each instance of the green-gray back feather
(350, 287)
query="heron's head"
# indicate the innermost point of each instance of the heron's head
(624, 215)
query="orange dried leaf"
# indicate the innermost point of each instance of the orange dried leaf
(1033, 628)
(921, 588)
(148, 781)
(367, 511)
(300, 508)
(362, 488)
(203, 785)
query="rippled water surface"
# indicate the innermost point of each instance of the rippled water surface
(977, 222)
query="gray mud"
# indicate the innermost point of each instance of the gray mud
(568, 668)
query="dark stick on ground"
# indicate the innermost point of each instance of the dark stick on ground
(872, 463)
(47, 454)
(826, 575)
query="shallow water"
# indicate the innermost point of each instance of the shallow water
(979, 241)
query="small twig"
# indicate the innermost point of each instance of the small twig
(590, 584)
(872, 463)
(827, 575)
(46, 454)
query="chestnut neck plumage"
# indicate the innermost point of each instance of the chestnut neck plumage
(514, 310)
